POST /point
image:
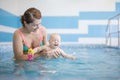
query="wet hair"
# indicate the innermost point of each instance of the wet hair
(29, 15)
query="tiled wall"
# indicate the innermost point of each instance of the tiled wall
(87, 27)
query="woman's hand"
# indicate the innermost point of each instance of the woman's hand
(38, 49)
(56, 53)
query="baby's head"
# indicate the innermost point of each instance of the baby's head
(54, 40)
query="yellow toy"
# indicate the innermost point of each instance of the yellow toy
(30, 54)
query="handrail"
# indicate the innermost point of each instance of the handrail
(107, 25)
(119, 30)
(114, 16)
(111, 19)
(109, 32)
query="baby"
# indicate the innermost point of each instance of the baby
(54, 43)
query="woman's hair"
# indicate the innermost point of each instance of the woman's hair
(29, 15)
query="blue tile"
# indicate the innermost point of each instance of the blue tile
(60, 22)
(7, 37)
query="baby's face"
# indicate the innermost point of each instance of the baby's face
(55, 41)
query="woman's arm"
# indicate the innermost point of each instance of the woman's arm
(18, 47)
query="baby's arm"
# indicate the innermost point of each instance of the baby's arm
(67, 55)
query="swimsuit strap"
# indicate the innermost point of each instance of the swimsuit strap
(23, 40)
(41, 37)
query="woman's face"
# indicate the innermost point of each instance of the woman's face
(32, 27)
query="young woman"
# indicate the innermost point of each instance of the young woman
(32, 35)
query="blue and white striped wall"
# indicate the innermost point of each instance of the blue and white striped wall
(85, 27)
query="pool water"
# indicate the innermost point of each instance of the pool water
(94, 62)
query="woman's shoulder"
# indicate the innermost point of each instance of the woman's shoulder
(42, 27)
(16, 32)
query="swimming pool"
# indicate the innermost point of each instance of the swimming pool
(94, 62)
